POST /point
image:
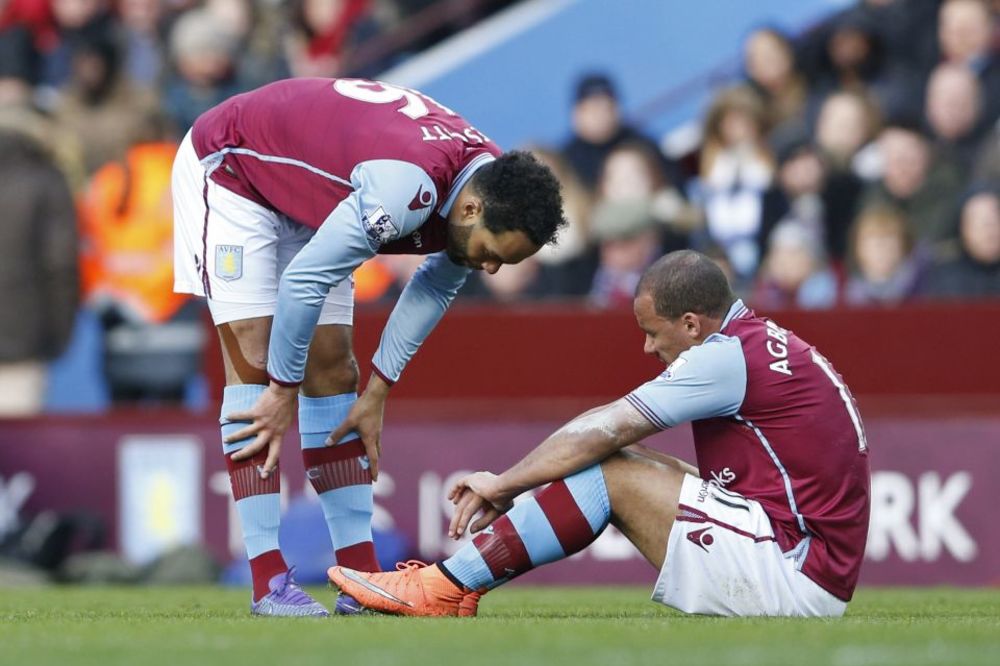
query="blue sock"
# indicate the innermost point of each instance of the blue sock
(560, 520)
(258, 501)
(341, 477)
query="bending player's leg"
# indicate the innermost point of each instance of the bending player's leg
(244, 353)
(339, 474)
(560, 520)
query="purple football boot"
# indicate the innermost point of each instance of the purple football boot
(287, 599)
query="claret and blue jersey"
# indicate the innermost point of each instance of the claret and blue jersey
(374, 168)
(773, 421)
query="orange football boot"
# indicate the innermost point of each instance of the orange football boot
(413, 589)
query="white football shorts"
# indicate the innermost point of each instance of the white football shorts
(233, 251)
(722, 559)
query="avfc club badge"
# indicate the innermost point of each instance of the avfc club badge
(378, 226)
(229, 262)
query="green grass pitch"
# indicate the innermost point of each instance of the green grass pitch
(518, 625)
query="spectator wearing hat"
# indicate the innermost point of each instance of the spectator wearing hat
(630, 239)
(597, 127)
(974, 270)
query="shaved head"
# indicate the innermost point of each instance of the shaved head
(686, 281)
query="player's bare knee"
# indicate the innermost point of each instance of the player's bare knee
(332, 376)
(627, 473)
(244, 350)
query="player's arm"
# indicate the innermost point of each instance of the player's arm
(374, 213)
(707, 381)
(421, 305)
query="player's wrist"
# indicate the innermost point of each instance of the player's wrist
(283, 390)
(378, 386)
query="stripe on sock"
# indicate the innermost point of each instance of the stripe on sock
(263, 568)
(333, 467)
(570, 526)
(502, 549)
(245, 479)
(360, 557)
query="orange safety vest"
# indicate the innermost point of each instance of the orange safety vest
(126, 215)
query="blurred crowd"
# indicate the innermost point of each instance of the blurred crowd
(855, 164)
(94, 98)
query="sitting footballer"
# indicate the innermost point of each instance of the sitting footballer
(772, 521)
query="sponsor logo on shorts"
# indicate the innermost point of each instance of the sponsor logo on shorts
(378, 226)
(229, 262)
(703, 492)
(701, 538)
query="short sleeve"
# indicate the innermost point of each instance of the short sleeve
(395, 198)
(706, 381)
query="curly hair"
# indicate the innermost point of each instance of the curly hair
(520, 193)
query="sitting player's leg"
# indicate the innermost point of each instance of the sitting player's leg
(339, 474)
(244, 353)
(560, 520)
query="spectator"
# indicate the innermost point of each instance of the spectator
(630, 240)
(204, 63)
(18, 75)
(809, 191)
(152, 336)
(794, 273)
(38, 271)
(966, 30)
(847, 122)
(769, 61)
(142, 41)
(987, 165)
(100, 107)
(597, 127)
(89, 19)
(885, 270)
(324, 32)
(952, 111)
(567, 267)
(975, 270)
(736, 169)
(633, 171)
(925, 192)
(253, 27)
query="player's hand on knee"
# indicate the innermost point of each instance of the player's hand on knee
(269, 419)
(476, 493)
(487, 486)
(466, 508)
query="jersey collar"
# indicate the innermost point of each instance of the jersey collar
(462, 178)
(735, 310)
